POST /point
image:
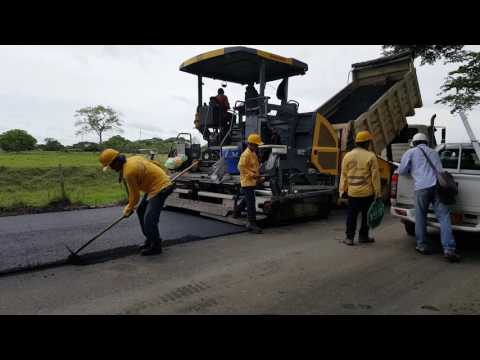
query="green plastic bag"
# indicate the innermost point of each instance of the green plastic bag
(375, 213)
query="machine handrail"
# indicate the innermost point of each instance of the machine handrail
(265, 102)
(229, 130)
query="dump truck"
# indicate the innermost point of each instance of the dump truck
(301, 158)
(382, 94)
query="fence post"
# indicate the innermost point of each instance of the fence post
(62, 182)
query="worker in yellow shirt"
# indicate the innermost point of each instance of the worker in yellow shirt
(249, 168)
(143, 175)
(360, 182)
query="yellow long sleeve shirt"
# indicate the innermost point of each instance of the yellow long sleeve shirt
(360, 176)
(143, 175)
(249, 168)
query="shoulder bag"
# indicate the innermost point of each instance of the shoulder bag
(447, 188)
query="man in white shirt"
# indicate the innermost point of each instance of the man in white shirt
(414, 163)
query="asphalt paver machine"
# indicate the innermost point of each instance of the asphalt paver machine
(299, 157)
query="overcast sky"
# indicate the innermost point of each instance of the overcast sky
(42, 86)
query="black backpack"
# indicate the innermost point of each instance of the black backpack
(447, 188)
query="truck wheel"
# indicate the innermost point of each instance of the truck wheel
(410, 228)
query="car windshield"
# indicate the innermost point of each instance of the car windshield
(469, 160)
(449, 157)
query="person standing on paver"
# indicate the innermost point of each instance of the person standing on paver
(414, 163)
(360, 182)
(249, 168)
(143, 175)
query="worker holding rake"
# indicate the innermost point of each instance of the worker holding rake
(146, 176)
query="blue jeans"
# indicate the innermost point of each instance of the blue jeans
(248, 201)
(423, 198)
(149, 215)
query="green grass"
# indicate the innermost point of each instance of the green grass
(32, 179)
(48, 159)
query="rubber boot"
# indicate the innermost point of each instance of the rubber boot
(365, 239)
(154, 248)
(253, 227)
(145, 245)
(236, 213)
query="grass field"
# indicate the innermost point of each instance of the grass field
(32, 179)
(48, 159)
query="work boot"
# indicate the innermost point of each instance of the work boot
(423, 250)
(155, 248)
(145, 245)
(348, 241)
(236, 213)
(366, 240)
(452, 256)
(253, 228)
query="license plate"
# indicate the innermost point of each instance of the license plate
(456, 218)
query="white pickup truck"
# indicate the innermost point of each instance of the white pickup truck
(461, 161)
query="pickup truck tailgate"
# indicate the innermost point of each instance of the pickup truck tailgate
(468, 199)
(405, 193)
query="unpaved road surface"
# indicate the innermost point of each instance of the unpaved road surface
(295, 269)
(32, 240)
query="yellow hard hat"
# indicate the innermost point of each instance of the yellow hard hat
(107, 156)
(254, 139)
(363, 136)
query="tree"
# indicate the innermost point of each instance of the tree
(462, 86)
(429, 54)
(117, 142)
(86, 146)
(98, 119)
(52, 145)
(17, 140)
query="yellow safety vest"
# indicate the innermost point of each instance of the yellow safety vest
(249, 167)
(143, 175)
(360, 176)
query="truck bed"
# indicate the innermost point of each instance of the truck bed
(382, 94)
(357, 102)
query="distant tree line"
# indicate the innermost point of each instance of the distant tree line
(121, 144)
(93, 119)
(19, 140)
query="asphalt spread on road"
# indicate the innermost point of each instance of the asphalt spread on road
(31, 242)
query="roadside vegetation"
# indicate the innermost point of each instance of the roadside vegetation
(50, 176)
(30, 181)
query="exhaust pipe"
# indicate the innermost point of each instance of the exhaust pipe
(432, 130)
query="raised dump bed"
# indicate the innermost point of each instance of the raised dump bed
(383, 92)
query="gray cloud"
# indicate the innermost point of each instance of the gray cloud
(183, 99)
(42, 86)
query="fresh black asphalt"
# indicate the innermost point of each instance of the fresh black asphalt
(30, 241)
